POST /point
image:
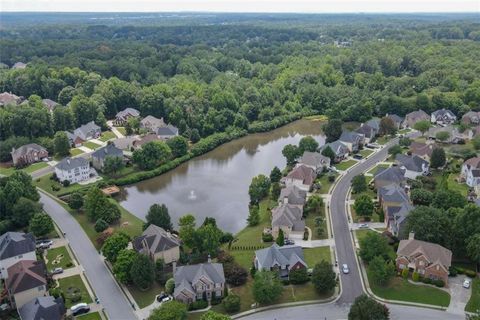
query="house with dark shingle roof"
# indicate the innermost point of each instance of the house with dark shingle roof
(443, 117)
(397, 120)
(396, 217)
(88, 131)
(423, 150)
(73, 169)
(122, 117)
(289, 218)
(315, 161)
(471, 172)
(281, 259)
(392, 195)
(26, 281)
(193, 282)
(167, 132)
(28, 154)
(14, 247)
(430, 260)
(151, 123)
(374, 124)
(368, 132)
(43, 308)
(292, 195)
(414, 117)
(157, 243)
(353, 140)
(302, 177)
(339, 149)
(414, 165)
(101, 154)
(386, 176)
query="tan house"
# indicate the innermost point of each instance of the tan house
(28, 154)
(158, 244)
(423, 150)
(289, 218)
(430, 260)
(151, 124)
(302, 177)
(414, 117)
(26, 281)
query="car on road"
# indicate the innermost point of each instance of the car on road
(161, 296)
(80, 308)
(57, 271)
(466, 283)
(357, 156)
(363, 226)
(345, 269)
(45, 244)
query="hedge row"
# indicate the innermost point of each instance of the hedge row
(262, 126)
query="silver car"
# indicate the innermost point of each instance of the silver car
(345, 269)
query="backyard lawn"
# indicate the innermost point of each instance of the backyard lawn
(366, 152)
(244, 257)
(474, 302)
(382, 140)
(74, 284)
(107, 135)
(58, 258)
(75, 152)
(91, 145)
(90, 316)
(344, 165)
(6, 171)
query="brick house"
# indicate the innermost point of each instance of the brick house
(28, 154)
(281, 259)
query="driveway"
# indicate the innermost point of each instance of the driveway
(459, 295)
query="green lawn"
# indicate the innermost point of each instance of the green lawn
(244, 257)
(147, 297)
(366, 152)
(315, 255)
(404, 131)
(369, 192)
(6, 171)
(361, 233)
(34, 167)
(382, 140)
(58, 258)
(75, 152)
(90, 316)
(76, 283)
(48, 185)
(107, 135)
(474, 303)
(373, 218)
(344, 165)
(91, 145)
(122, 130)
(310, 222)
(378, 166)
(325, 183)
(401, 290)
(454, 185)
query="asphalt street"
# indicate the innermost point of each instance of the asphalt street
(111, 297)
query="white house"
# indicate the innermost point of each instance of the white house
(14, 247)
(73, 169)
(443, 117)
(471, 172)
(414, 165)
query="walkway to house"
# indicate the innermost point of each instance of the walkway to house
(114, 129)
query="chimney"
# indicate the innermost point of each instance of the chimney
(209, 259)
(411, 235)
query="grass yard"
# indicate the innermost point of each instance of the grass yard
(6, 171)
(76, 283)
(401, 290)
(91, 145)
(107, 135)
(315, 255)
(474, 303)
(35, 166)
(361, 233)
(90, 316)
(147, 297)
(55, 187)
(325, 183)
(122, 130)
(310, 222)
(59, 258)
(244, 257)
(366, 152)
(369, 192)
(344, 165)
(404, 131)
(454, 185)
(382, 140)
(373, 218)
(75, 152)
(378, 166)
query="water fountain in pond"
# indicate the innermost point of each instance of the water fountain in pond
(192, 196)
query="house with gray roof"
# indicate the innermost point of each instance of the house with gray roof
(49, 104)
(374, 123)
(151, 124)
(471, 118)
(167, 132)
(43, 308)
(392, 195)
(292, 195)
(281, 259)
(122, 117)
(340, 150)
(8, 98)
(397, 120)
(414, 117)
(101, 154)
(157, 243)
(471, 172)
(423, 150)
(314, 160)
(88, 131)
(353, 140)
(19, 65)
(126, 143)
(73, 169)
(368, 132)
(289, 218)
(385, 176)
(396, 217)
(14, 247)
(414, 165)
(28, 154)
(26, 281)
(194, 282)
(443, 117)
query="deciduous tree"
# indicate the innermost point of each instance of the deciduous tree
(267, 287)
(114, 244)
(41, 224)
(158, 215)
(142, 271)
(365, 308)
(323, 277)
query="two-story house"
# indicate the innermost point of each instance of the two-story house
(423, 150)
(167, 132)
(414, 165)
(292, 195)
(14, 247)
(88, 131)
(392, 195)
(368, 132)
(43, 308)
(397, 120)
(302, 177)
(414, 117)
(158, 244)
(28, 154)
(122, 117)
(353, 140)
(443, 117)
(280, 259)
(289, 218)
(315, 161)
(101, 154)
(151, 124)
(386, 176)
(471, 172)
(339, 149)
(199, 281)
(471, 118)
(396, 218)
(73, 169)
(26, 281)
(430, 260)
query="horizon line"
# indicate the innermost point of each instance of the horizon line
(253, 12)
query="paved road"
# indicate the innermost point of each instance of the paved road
(351, 283)
(111, 297)
(334, 311)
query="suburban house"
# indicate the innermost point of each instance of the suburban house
(145, 139)
(353, 140)
(374, 124)
(49, 104)
(368, 132)
(199, 281)
(302, 177)
(83, 133)
(8, 98)
(122, 117)
(392, 195)
(28, 154)
(14, 247)
(414, 165)
(454, 136)
(341, 151)
(430, 260)
(43, 308)
(289, 218)
(126, 143)
(471, 118)
(396, 216)
(73, 169)
(26, 281)
(167, 132)
(443, 117)
(423, 150)
(414, 117)
(281, 259)
(386, 176)
(471, 172)
(158, 244)
(151, 123)
(292, 195)
(19, 65)
(99, 155)
(315, 161)
(397, 120)
(74, 140)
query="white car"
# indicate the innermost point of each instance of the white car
(345, 268)
(466, 283)
(80, 308)
(363, 226)
(166, 299)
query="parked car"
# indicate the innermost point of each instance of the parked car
(345, 268)
(57, 271)
(363, 226)
(80, 308)
(466, 283)
(289, 242)
(166, 299)
(45, 244)
(357, 156)
(161, 296)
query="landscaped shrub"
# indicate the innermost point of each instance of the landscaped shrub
(170, 285)
(331, 178)
(460, 270)
(298, 276)
(415, 276)
(197, 305)
(439, 283)
(100, 225)
(470, 273)
(65, 183)
(267, 237)
(285, 282)
(231, 303)
(427, 280)
(405, 273)
(452, 271)
(214, 301)
(69, 264)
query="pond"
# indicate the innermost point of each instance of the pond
(216, 183)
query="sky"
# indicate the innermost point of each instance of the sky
(300, 6)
